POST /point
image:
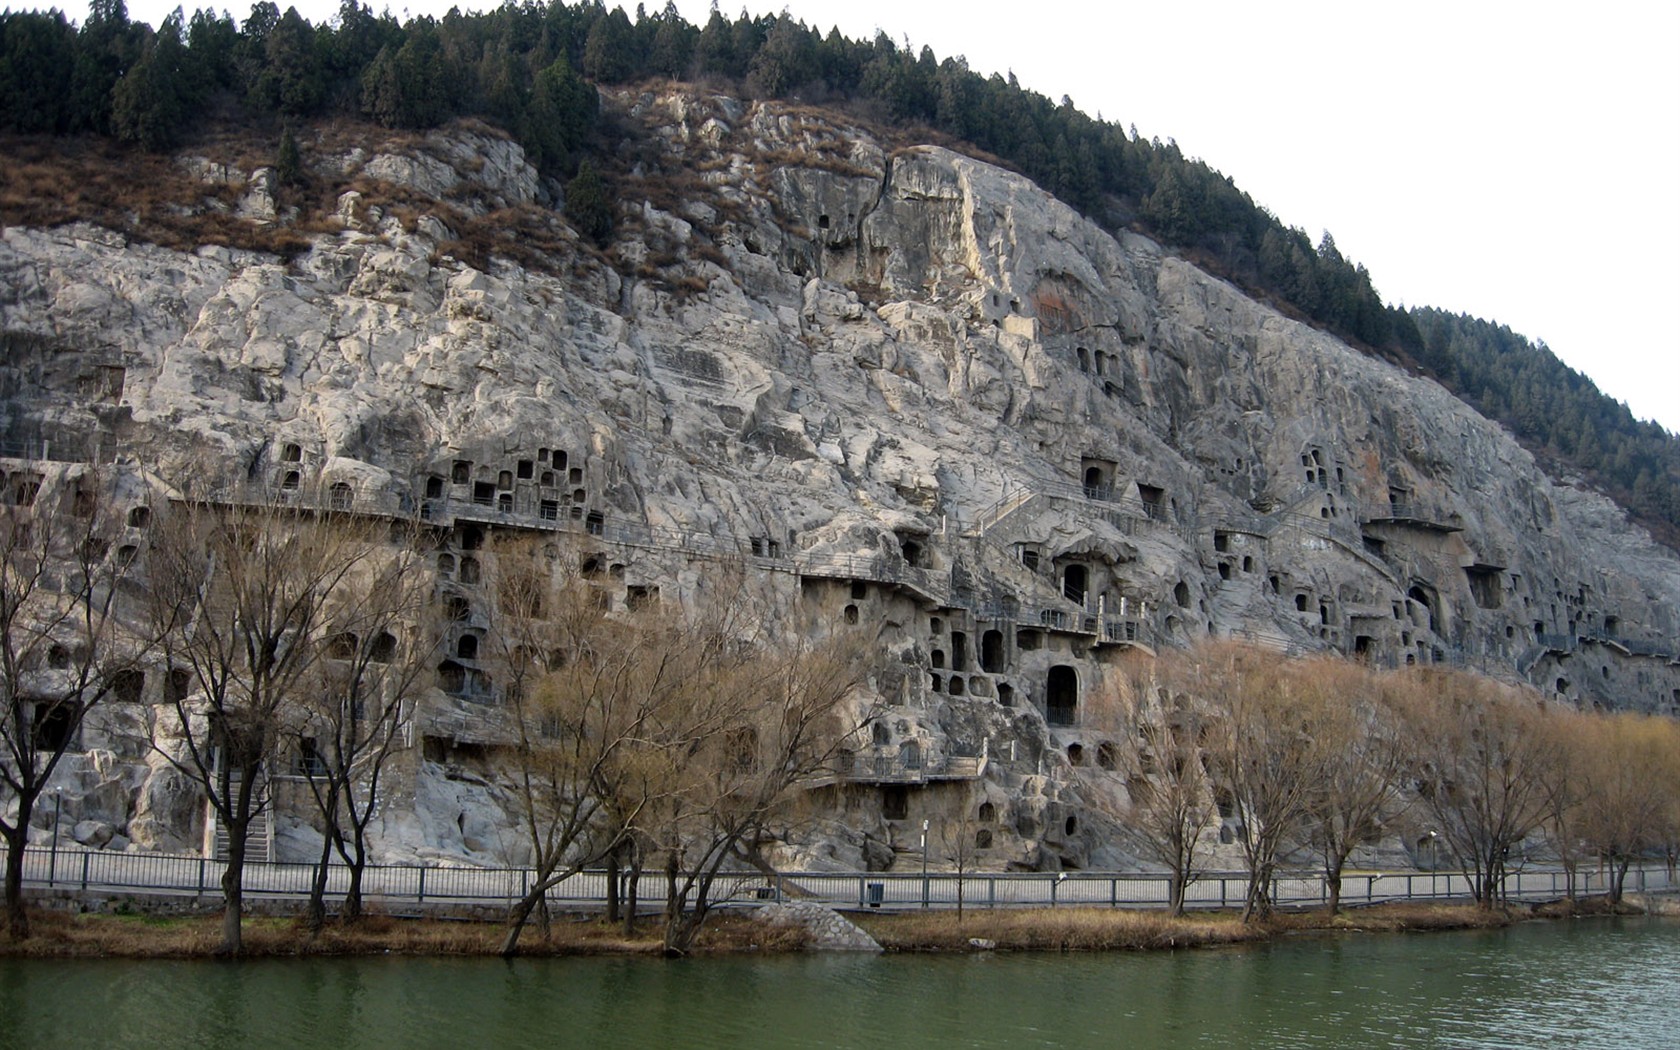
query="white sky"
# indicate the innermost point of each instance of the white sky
(1515, 161)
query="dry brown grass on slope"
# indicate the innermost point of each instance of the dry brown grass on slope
(57, 934)
(47, 182)
(1101, 929)
(62, 934)
(1399, 918)
(1060, 929)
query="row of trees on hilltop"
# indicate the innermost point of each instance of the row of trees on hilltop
(111, 76)
(525, 68)
(530, 67)
(1556, 411)
(1319, 757)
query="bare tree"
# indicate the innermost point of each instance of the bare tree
(1362, 765)
(64, 646)
(247, 588)
(958, 845)
(1566, 783)
(1668, 819)
(1266, 754)
(761, 721)
(1628, 766)
(587, 691)
(757, 720)
(379, 642)
(1168, 804)
(1479, 750)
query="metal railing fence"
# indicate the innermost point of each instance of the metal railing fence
(401, 887)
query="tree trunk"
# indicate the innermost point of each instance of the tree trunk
(518, 916)
(673, 900)
(1487, 893)
(1175, 895)
(680, 933)
(1333, 889)
(353, 895)
(632, 885)
(17, 916)
(612, 887)
(1257, 902)
(354, 855)
(315, 912)
(233, 891)
(1618, 878)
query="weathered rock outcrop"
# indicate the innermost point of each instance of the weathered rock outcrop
(937, 398)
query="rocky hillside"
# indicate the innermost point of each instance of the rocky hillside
(919, 385)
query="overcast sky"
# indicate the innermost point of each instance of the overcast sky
(1515, 161)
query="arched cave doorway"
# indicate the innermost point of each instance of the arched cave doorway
(1073, 583)
(1061, 696)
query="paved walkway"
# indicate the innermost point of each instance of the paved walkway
(403, 888)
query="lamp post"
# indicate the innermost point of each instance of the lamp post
(58, 809)
(924, 863)
(1434, 860)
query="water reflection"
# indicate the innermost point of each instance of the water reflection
(1588, 984)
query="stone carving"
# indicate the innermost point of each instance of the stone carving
(1015, 442)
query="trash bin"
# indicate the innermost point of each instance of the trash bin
(874, 892)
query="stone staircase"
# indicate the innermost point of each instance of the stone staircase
(1029, 587)
(259, 840)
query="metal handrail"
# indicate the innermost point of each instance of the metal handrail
(91, 873)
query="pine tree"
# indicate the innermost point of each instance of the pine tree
(561, 117)
(414, 86)
(292, 80)
(786, 60)
(587, 204)
(673, 43)
(715, 48)
(37, 54)
(609, 52)
(146, 104)
(107, 45)
(288, 163)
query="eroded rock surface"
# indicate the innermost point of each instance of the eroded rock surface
(912, 386)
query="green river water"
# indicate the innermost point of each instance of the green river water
(1591, 983)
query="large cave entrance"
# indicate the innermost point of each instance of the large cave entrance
(1061, 696)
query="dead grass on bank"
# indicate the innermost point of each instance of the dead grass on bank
(1058, 929)
(1399, 918)
(138, 936)
(1102, 929)
(60, 934)
(1590, 905)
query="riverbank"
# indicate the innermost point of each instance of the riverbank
(61, 934)
(1102, 929)
(58, 934)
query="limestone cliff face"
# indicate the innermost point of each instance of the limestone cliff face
(913, 382)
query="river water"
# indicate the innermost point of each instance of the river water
(1590, 983)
